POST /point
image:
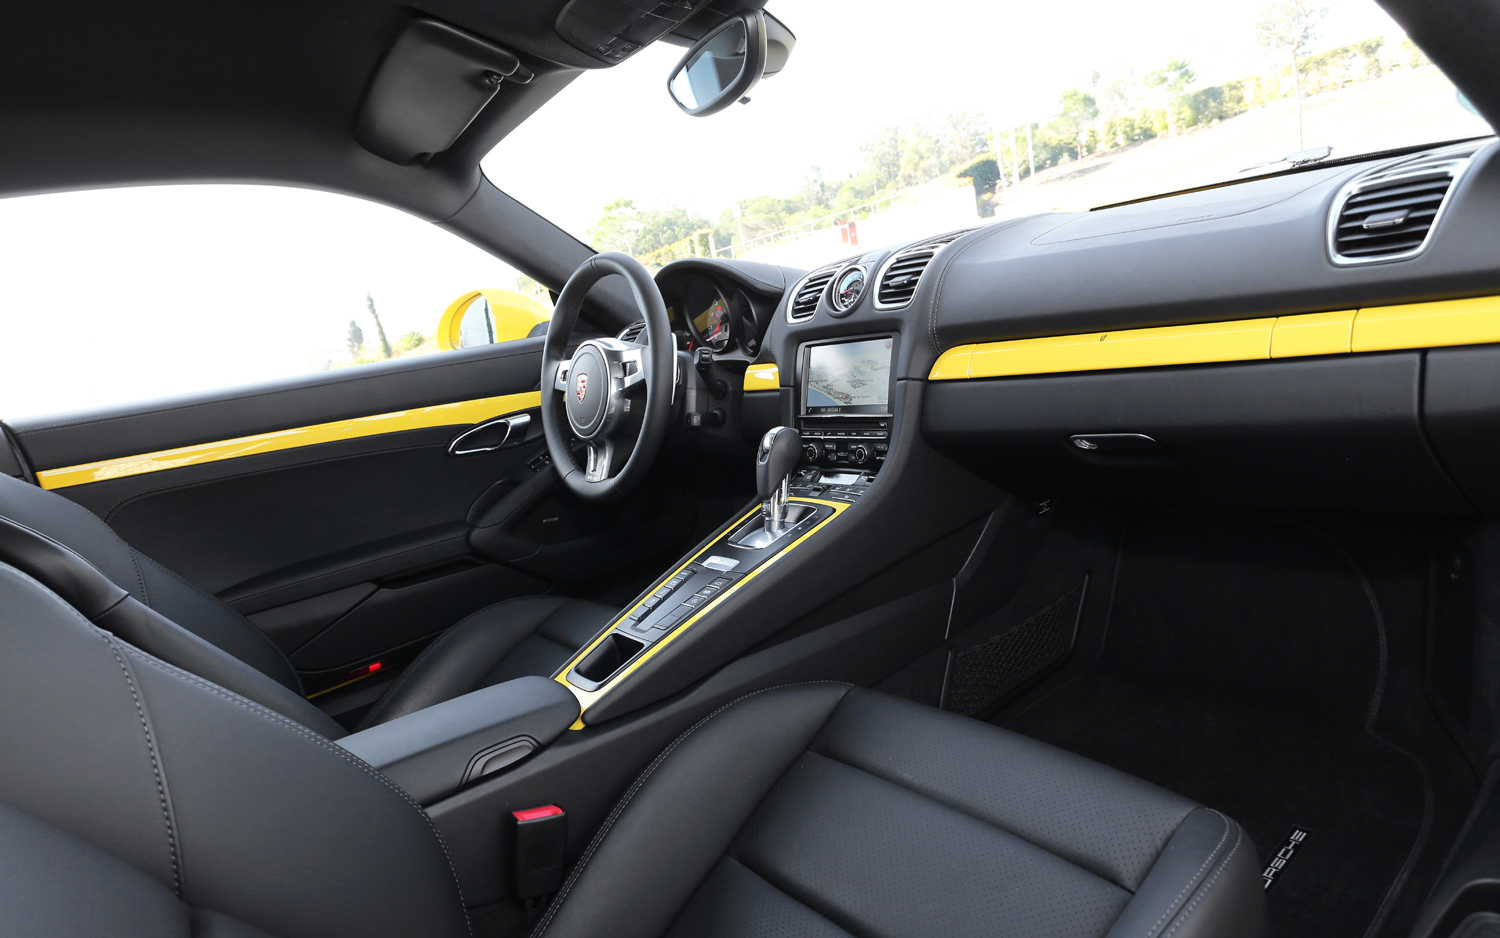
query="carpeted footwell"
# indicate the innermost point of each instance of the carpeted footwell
(1240, 666)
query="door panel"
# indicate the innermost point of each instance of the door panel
(58, 440)
(348, 545)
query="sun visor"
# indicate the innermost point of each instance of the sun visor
(432, 84)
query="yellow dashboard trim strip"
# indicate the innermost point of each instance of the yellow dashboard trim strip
(1427, 325)
(1378, 328)
(440, 415)
(588, 697)
(762, 378)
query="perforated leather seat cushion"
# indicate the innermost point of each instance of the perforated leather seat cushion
(825, 810)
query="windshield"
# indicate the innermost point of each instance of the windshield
(908, 123)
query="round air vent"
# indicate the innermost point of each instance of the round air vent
(848, 287)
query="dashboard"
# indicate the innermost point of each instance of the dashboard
(1251, 344)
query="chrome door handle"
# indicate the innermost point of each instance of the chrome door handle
(491, 435)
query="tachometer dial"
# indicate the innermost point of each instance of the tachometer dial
(710, 318)
(715, 325)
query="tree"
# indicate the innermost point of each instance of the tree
(634, 231)
(1169, 83)
(1287, 26)
(356, 339)
(385, 345)
(883, 154)
(1078, 111)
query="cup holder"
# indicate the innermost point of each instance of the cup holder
(607, 658)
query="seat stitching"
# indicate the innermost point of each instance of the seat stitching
(161, 788)
(1239, 838)
(958, 809)
(1193, 880)
(619, 808)
(763, 878)
(297, 680)
(319, 740)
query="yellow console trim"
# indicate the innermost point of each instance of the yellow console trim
(1377, 328)
(762, 378)
(588, 697)
(440, 415)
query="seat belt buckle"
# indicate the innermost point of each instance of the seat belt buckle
(541, 839)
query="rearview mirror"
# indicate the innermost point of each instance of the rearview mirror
(722, 67)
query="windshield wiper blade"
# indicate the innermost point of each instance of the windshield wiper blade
(1300, 158)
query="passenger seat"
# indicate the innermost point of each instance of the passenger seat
(137, 799)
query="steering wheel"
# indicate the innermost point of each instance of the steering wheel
(610, 390)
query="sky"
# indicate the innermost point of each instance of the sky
(117, 295)
(851, 74)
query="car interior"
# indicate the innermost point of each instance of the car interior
(1122, 572)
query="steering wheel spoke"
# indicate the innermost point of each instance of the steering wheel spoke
(600, 454)
(563, 368)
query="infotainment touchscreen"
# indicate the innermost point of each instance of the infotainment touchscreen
(848, 378)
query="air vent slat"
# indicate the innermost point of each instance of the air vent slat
(1356, 225)
(1402, 201)
(1438, 186)
(1418, 226)
(898, 282)
(805, 301)
(1394, 201)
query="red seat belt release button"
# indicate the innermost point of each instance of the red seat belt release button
(541, 842)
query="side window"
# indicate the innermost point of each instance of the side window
(117, 295)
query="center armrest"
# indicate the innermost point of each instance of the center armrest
(436, 751)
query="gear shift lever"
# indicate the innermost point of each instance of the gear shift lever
(775, 459)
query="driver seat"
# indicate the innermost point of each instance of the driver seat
(533, 635)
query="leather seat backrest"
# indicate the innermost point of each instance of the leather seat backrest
(149, 582)
(229, 806)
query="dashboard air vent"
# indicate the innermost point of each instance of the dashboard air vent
(898, 279)
(805, 300)
(632, 332)
(1390, 214)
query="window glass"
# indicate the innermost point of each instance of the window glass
(887, 126)
(124, 294)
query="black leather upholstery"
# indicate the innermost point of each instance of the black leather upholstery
(824, 810)
(149, 582)
(516, 638)
(139, 799)
(136, 798)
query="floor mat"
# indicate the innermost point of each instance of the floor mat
(1238, 667)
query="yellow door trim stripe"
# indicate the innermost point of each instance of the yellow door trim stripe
(440, 415)
(588, 697)
(1377, 328)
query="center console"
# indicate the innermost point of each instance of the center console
(807, 475)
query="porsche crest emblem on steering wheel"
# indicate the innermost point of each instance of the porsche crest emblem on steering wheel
(580, 386)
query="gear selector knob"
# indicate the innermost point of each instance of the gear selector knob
(775, 459)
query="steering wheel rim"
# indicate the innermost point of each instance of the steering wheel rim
(600, 414)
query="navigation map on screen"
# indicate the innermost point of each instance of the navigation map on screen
(850, 377)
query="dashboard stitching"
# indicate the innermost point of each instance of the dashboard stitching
(949, 257)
